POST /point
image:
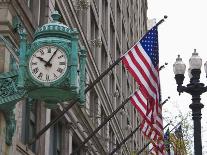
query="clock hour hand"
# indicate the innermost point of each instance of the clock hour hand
(41, 59)
(48, 62)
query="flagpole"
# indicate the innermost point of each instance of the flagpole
(42, 131)
(103, 74)
(161, 21)
(101, 125)
(124, 141)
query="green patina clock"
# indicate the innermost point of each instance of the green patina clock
(51, 69)
(52, 64)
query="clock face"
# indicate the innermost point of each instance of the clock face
(48, 64)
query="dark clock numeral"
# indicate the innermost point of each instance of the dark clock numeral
(60, 70)
(49, 50)
(34, 63)
(55, 76)
(47, 77)
(35, 70)
(60, 56)
(42, 52)
(40, 76)
(61, 63)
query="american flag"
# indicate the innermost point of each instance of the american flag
(142, 61)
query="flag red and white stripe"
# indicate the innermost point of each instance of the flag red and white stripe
(142, 61)
(139, 65)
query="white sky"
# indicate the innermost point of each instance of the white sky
(184, 30)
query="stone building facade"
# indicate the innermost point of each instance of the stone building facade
(107, 29)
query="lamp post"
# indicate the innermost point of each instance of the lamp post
(195, 89)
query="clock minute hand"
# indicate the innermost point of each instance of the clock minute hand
(48, 62)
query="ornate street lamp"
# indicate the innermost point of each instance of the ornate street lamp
(195, 89)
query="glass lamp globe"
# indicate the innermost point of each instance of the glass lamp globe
(179, 67)
(195, 61)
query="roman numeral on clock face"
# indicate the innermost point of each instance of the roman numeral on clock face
(35, 70)
(61, 63)
(60, 70)
(42, 52)
(40, 76)
(55, 76)
(47, 77)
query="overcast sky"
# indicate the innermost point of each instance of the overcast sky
(183, 31)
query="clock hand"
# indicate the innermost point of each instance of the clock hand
(41, 59)
(48, 63)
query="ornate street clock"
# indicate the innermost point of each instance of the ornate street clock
(52, 64)
(50, 69)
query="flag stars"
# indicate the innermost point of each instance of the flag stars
(150, 44)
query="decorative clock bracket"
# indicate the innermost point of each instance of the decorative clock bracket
(10, 94)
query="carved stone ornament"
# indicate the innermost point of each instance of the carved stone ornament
(82, 4)
(9, 95)
(10, 125)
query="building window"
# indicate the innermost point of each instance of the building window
(8, 55)
(112, 139)
(113, 4)
(104, 64)
(76, 143)
(104, 128)
(112, 87)
(29, 122)
(94, 36)
(105, 17)
(118, 20)
(56, 138)
(104, 58)
(118, 97)
(112, 40)
(94, 107)
(118, 67)
(29, 3)
(97, 5)
(124, 79)
(87, 104)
